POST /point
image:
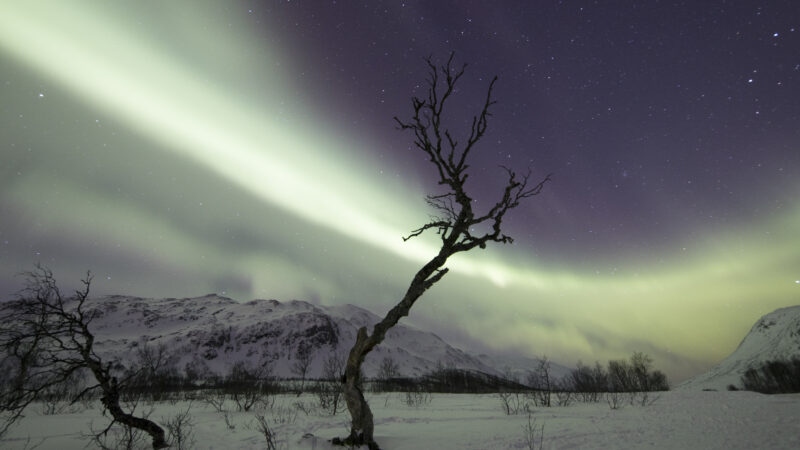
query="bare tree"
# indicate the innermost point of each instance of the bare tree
(620, 376)
(302, 360)
(151, 374)
(457, 224)
(249, 385)
(542, 382)
(45, 340)
(329, 391)
(181, 430)
(387, 371)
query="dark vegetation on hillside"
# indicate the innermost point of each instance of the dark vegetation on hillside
(774, 377)
(48, 361)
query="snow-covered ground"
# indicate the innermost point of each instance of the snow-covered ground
(677, 420)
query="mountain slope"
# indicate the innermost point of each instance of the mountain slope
(774, 336)
(208, 334)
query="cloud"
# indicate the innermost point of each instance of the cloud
(175, 161)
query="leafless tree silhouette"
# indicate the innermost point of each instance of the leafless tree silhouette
(45, 341)
(456, 222)
(302, 361)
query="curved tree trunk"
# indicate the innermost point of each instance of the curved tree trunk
(455, 224)
(110, 399)
(362, 428)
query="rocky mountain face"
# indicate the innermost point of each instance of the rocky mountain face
(209, 334)
(775, 336)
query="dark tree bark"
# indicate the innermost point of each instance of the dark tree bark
(45, 340)
(455, 224)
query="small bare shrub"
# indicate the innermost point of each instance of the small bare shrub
(227, 417)
(282, 415)
(306, 407)
(532, 433)
(589, 382)
(542, 383)
(65, 398)
(270, 439)
(614, 399)
(417, 398)
(329, 389)
(180, 430)
(512, 403)
(387, 371)
(773, 377)
(214, 398)
(302, 361)
(648, 398)
(563, 393)
(249, 385)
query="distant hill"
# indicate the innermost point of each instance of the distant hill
(210, 333)
(774, 336)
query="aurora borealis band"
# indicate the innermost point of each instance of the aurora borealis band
(248, 148)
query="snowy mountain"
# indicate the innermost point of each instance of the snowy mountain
(208, 334)
(774, 336)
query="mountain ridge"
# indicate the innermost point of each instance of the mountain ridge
(208, 334)
(775, 336)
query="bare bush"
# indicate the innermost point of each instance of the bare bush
(152, 374)
(64, 398)
(417, 398)
(250, 385)
(773, 377)
(564, 393)
(513, 403)
(542, 383)
(329, 389)
(387, 371)
(214, 398)
(284, 415)
(647, 398)
(119, 438)
(614, 399)
(532, 433)
(305, 407)
(180, 429)
(589, 382)
(226, 416)
(302, 361)
(263, 426)
(635, 375)
(620, 377)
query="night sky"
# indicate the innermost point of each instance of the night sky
(249, 148)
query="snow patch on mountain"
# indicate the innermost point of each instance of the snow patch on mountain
(775, 336)
(209, 334)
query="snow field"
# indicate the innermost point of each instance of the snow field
(677, 420)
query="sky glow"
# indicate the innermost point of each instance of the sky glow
(285, 167)
(181, 151)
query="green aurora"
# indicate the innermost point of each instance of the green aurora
(173, 154)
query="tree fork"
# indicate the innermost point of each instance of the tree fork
(41, 323)
(454, 226)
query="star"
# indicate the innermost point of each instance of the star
(315, 151)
